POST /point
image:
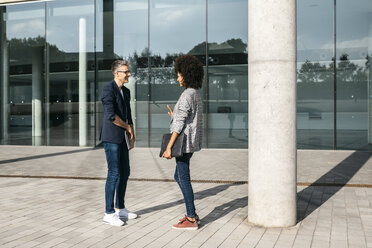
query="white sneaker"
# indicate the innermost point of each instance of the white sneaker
(125, 213)
(113, 219)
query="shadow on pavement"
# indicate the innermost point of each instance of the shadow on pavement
(8, 161)
(311, 198)
(224, 209)
(197, 196)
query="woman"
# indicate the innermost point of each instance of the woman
(187, 118)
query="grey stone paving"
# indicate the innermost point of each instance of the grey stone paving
(334, 211)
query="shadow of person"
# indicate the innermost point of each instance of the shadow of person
(224, 209)
(197, 196)
(8, 161)
(314, 196)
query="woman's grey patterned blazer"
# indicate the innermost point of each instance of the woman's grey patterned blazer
(188, 118)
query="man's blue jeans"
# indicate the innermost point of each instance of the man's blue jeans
(182, 177)
(117, 157)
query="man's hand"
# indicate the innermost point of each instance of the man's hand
(132, 139)
(130, 131)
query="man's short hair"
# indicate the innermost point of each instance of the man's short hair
(117, 63)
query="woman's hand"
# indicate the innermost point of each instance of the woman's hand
(167, 154)
(170, 113)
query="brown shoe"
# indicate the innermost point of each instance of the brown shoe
(185, 224)
(185, 217)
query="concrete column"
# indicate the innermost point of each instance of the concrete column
(369, 82)
(37, 96)
(83, 115)
(4, 78)
(272, 112)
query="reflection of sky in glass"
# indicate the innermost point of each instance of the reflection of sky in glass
(176, 26)
(63, 24)
(354, 29)
(354, 23)
(130, 27)
(315, 29)
(227, 19)
(25, 20)
(126, 5)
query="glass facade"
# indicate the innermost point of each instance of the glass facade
(353, 70)
(315, 74)
(55, 57)
(333, 63)
(176, 27)
(22, 74)
(70, 72)
(227, 73)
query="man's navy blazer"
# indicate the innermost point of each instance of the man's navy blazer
(114, 104)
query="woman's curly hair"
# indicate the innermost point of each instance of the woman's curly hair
(191, 69)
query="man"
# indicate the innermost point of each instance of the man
(117, 136)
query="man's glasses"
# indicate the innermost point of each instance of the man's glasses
(124, 71)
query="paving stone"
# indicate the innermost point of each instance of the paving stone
(302, 243)
(39, 212)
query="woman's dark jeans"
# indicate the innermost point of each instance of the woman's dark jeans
(182, 177)
(117, 157)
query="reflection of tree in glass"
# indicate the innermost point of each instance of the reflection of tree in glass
(351, 79)
(312, 72)
(228, 46)
(314, 78)
(20, 49)
(350, 72)
(161, 68)
(232, 51)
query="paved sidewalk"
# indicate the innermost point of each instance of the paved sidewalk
(45, 201)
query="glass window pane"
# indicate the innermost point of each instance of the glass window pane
(228, 73)
(354, 84)
(175, 27)
(119, 38)
(70, 72)
(315, 74)
(22, 80)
